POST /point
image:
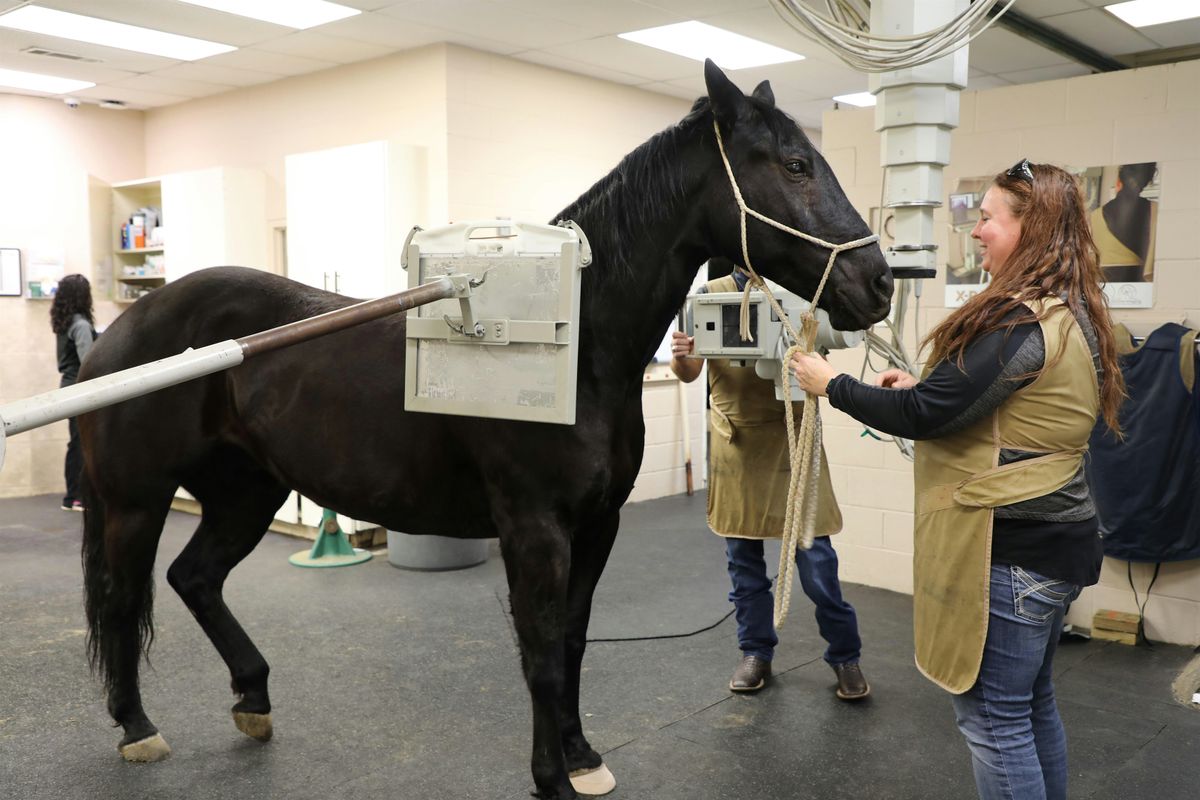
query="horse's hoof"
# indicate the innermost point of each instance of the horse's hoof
(256, 726)
(152, 748)
(595, 781)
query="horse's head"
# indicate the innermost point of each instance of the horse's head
(783, 177)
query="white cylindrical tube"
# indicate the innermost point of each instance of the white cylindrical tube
(71, 401)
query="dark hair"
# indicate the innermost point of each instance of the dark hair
(1135, 177)
(1055, 256)
(74, 296)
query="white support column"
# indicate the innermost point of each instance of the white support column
(915, 112)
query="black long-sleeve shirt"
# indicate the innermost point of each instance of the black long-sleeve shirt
(1055, 535)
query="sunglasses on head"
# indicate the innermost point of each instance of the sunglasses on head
(1021, 169)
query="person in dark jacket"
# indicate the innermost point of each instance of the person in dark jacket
(73, 324)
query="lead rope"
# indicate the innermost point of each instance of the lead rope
(804, 447)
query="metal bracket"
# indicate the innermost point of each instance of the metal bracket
(585, 248)
(488, 331)
(467, 326)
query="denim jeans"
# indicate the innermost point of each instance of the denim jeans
(1009, 717)
(755, 607)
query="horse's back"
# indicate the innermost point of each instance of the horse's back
(203, 308)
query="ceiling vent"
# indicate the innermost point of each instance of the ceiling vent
(42, 51)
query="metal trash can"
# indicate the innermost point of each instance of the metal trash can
(434, 553)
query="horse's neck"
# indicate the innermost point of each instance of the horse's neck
(627, 308)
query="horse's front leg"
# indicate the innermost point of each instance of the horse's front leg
(537, 556)
(589, 554)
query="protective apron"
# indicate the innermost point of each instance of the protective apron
(959, 481)
(748, 463)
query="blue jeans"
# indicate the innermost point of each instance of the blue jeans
(751, 597)
(1009, 717)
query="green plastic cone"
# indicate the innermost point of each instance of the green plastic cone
(332, 547)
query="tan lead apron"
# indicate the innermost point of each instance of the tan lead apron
(959, 482)
(749, 465)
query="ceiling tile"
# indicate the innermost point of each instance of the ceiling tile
(209, 73)
(764, 24)
(170, 86)
(324, 47)
(262, 61)
(694, 9)
(134, 98)
(637, 59)
(1045, 73)
(580, 67)
(1047, 8)
(384, 30)
(510, 29)
(1174, 34)
(369, 5)
(61, 68)
(109, 57)
(600, 17)
(180, 18)
(1100, 30)
(998, 50)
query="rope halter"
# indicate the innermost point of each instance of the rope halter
(800, 518)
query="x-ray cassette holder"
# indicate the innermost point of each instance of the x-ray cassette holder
(714, 322)
(506, 345)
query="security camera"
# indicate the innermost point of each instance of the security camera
(72, 102)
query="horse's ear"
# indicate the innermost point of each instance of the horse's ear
(728, 101)
(763, 92)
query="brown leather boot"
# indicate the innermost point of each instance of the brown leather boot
(851, 683)
(750, 675)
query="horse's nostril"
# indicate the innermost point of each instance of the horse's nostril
(883, 284)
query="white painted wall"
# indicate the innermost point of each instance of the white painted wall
(47, 152)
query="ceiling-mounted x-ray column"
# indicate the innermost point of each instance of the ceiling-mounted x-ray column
(916, 108)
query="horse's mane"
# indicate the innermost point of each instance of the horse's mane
(647, 184)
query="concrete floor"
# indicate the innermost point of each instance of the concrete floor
(397, 684)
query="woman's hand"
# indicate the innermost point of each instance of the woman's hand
(813, 373)
(895, 379)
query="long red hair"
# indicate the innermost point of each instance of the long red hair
(1055, 256)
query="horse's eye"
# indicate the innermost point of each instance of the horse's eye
(796, 167)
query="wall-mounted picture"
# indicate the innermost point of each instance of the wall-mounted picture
(964, 278)
(1122, 203)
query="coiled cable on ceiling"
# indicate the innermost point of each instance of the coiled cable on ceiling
(845, 32)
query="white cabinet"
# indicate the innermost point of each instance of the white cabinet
(349, 210)
(209, 218)
(214, 218)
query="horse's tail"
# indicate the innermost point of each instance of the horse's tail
(110, 603)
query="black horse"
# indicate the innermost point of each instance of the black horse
(240, 440)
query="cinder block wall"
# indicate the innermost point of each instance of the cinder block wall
(1149, 114)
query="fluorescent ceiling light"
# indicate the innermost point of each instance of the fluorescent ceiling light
(41, 83)
(110, 34)
(698, 41)
(292, 13)
(1141, 13)
(860, 99)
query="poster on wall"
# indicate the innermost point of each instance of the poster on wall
(964, 277)
(1122, 205)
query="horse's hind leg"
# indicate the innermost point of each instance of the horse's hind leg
(589, 553)
(238, 502)
(120, 543)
